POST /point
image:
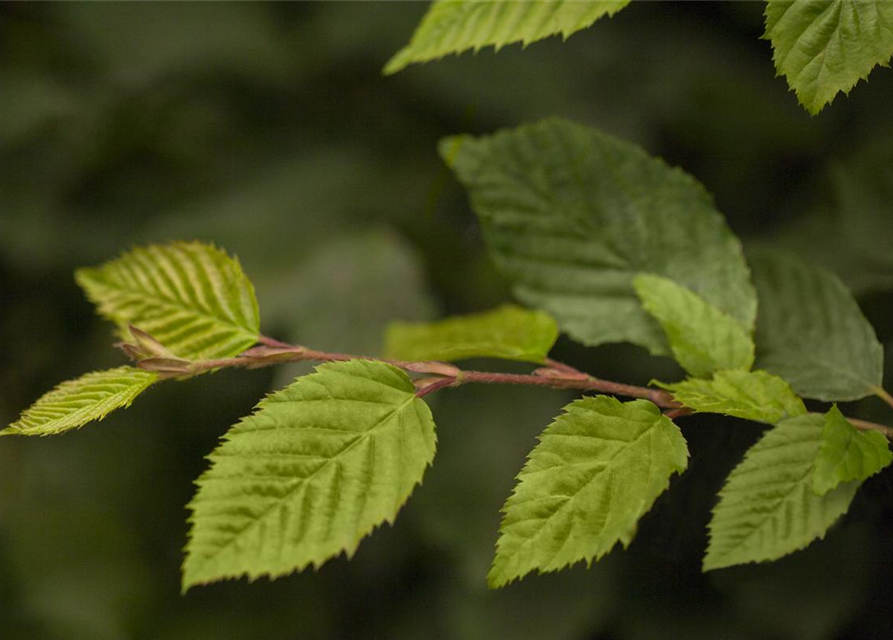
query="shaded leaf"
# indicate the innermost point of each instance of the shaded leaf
(847, 453)
(454, 26)
(811, 332)
(573, 215)
(191, 297)
(752, 395)
(703, 338)
(316, 468)
(824, 47)
(74, 403)
(597, 469)
(768, 508)
(508, 332)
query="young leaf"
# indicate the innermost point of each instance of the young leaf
(768, 508)
(752, 395)
(847, 454)
(191, 297)
(509, 332)
(572, 215)
(316, 468)
(74, 403)
(827, 46)
(454, 26)
(811, 332)
(597, 469)
(703, 338)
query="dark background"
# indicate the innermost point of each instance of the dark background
(268, 129)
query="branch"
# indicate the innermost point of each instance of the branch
(556, 375)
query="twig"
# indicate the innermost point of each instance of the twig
(556, 375)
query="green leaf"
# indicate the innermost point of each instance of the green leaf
(847, 453)
(703, 338)
(573, 215)
(824, 47)
(454, 26)
(316, 468)
(811, 332)
(752, 395)
(597, 469)
(509, 332)
(768, 508)
(74, 403)
(191, 297)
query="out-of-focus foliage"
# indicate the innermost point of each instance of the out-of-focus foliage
(268, 129)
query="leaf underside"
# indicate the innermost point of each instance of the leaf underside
(596, 470)
(703, 338)
(827, 46)
(572, 215)
(316, 468)
(76, 402)
(811, 332)
(454, 26)
(751, 395)
(191, 297)
(508, 332)
(768, 508)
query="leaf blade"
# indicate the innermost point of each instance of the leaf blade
(74, 403)
(597, 469)
(192, 297)
(571, 215)
(507, 332)
(847, 454)
(703, 338)
(811, 332)
(767, 507)
(316, 468)
(454, 26)
(826, 47)
(751, 395)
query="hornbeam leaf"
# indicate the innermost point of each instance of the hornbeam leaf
(454, 26)
(847, 453)
(191, 297)
(703, 338)
(824, 47)
(74, 403)
(597, 469)
(508, 332)
(752, 395)
(573, 215)
(811, 332)
(316, 468)
(768, 508)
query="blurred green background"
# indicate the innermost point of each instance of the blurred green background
(268, 129)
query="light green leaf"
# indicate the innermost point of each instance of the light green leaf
(703, 338)
(74, 403)
(191, 297)
(597, 469)
(768, 508)
(454, 26)
(752, 395)
(316, 468)
(508, 332)
(847, 454)
(573, 215)
(811, 332)
(827, 46)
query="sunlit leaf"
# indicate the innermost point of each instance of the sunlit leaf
(597, 469)
(311, 472)
(847, 453)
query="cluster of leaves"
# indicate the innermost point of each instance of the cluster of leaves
(609, 245)
(822, 47)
